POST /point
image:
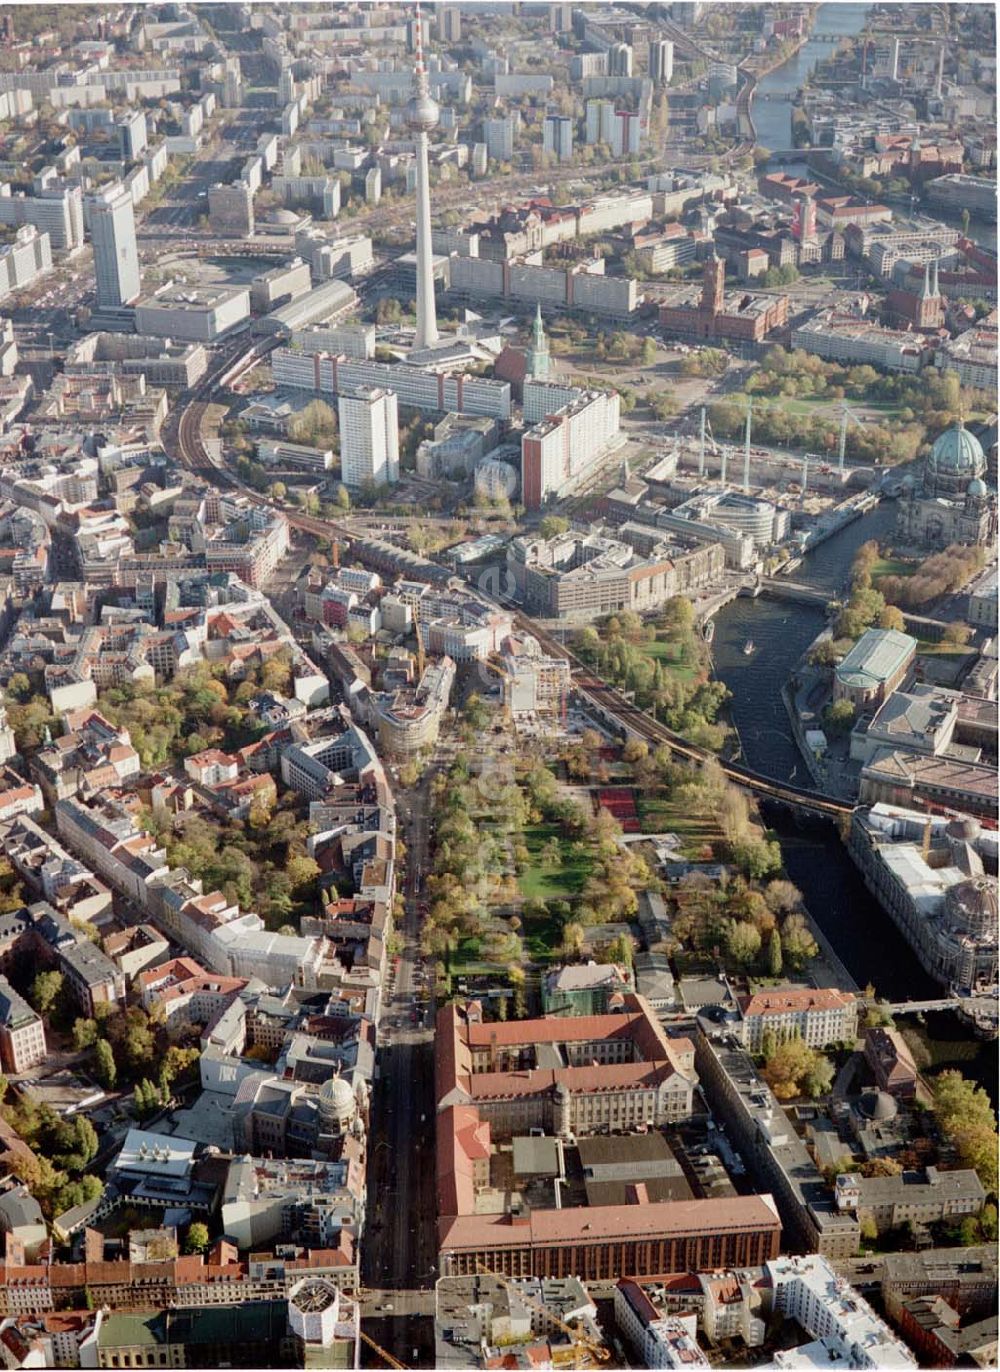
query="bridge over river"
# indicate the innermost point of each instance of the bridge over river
(780, 588)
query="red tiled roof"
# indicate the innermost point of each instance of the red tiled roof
(779, 1002)
(611, 1223)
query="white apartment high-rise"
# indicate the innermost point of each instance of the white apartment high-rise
(600, 122)
(116, 256)
(661, 61)
(369, 438)
(557, 136)
(421, 116)
(498, 135)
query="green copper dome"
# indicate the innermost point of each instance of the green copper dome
(958, 451)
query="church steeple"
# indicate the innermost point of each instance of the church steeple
(537, 360)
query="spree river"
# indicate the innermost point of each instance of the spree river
(772, 116)
(861, 932)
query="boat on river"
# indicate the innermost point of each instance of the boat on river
(708, 630)
(749, 648)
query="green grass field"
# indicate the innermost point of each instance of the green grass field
(542, 938)
(661, 816)
(542, 880)
(828, 407)
(667, 653)
(891, 566)
(954, 652)
(795, 405)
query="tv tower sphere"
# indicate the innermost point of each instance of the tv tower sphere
(422, 113)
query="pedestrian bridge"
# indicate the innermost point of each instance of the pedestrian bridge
(921, 1007)
(779, 588)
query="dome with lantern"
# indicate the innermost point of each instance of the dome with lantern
(972, 907)
(955, 460)
(337, 1106)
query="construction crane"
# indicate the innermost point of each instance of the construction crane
(589, 1348)
(845, 415)
(393, 1362)
(721, 452)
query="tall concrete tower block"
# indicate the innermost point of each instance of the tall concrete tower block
(116, 256)
(421, 116)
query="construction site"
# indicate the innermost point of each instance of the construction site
(808, 483)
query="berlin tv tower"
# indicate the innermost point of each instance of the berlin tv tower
(422, 116)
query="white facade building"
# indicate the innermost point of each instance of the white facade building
(807, 1290)
(600, 121)
(658, 1340)
(116, 254)
(498, 135)
(369, 438)
(562, 449)
(417, 386)
(557, 136)
(24, 260)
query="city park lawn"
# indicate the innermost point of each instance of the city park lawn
(542, 880)
(891, 566)
(667, 652)
(542, 936)
(467, 960)
(824, 407)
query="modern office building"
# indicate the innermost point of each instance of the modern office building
(409, 719)
(657, 1340)
(197, 314)
(230, 209)
(369, 438)
(418, 386)
(116, 255)
(581, 576)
